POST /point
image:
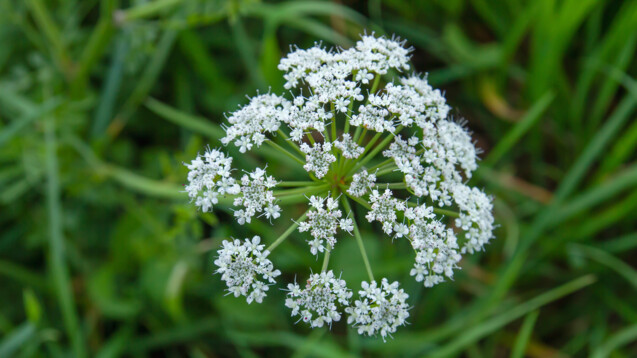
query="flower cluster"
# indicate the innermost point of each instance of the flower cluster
(367, 134)
(323, 223)
(256, 197)
(317, 302)
(380, 310)
(246, 268)
(209, 177)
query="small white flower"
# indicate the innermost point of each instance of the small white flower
(323, 221)
(263, 114)
(476, 217)
(256, 197)
(384, 208)
(318, 158)
(348, 147)
(318, 303)
(245, 268)
(361, 182)
(380, 310)
(209, 177)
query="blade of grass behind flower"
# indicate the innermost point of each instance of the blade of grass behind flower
(477, 332)
(625, 336)
(530, 118)
(522, 340)
(606, 259)
(18, 338)
(59, 270)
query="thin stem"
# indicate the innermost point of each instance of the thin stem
(326, 259)
(290, 142)
(375, 84)
(373, 153)
(372, 141)
(284, 151)
(386, 170)
(357, 133)
(303, 190)
(446, 212)
(333, 122)
(380, 165)
(362, 137)
(287, 233)
(359, 238)
(349, 113)
(391, 185)
(296, 183)
(310, 138)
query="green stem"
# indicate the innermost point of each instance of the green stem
(290, 142)
(373, 153)
(287, 233)
(303, 190)
(326, 259)
(284, 151)
(386, 170)
(310, 138)
(391, 185)
(296, 183)
(380, 165)
(375, 84)
(359, 239)
(333, 122)
(349, 114)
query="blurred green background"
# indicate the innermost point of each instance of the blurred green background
(102, 101)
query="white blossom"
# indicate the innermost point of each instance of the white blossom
(435, 244)
(209, 177)
(380, 309)
(249, 124)
(476, 217)
(323, 221)
(256, 197)
(318, 158)
(245, 268)
(361, 183)
(348, 147)
(318, 302)
(384, 209)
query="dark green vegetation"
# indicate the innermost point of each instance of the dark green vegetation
(101, 256)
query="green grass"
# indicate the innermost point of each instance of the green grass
(102, 101)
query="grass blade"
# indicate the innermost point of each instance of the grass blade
(513, 136)
(59, 271)
(524, 336)
(487, 327)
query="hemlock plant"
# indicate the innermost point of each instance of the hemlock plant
(338, 119)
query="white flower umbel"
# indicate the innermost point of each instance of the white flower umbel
(318, 302)
(209, 177)
(323, 221)
(384, 209)
(256, 197)
(245, 268)
(319, 158)
(353, 128)
(380, 309)
(361, 183)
